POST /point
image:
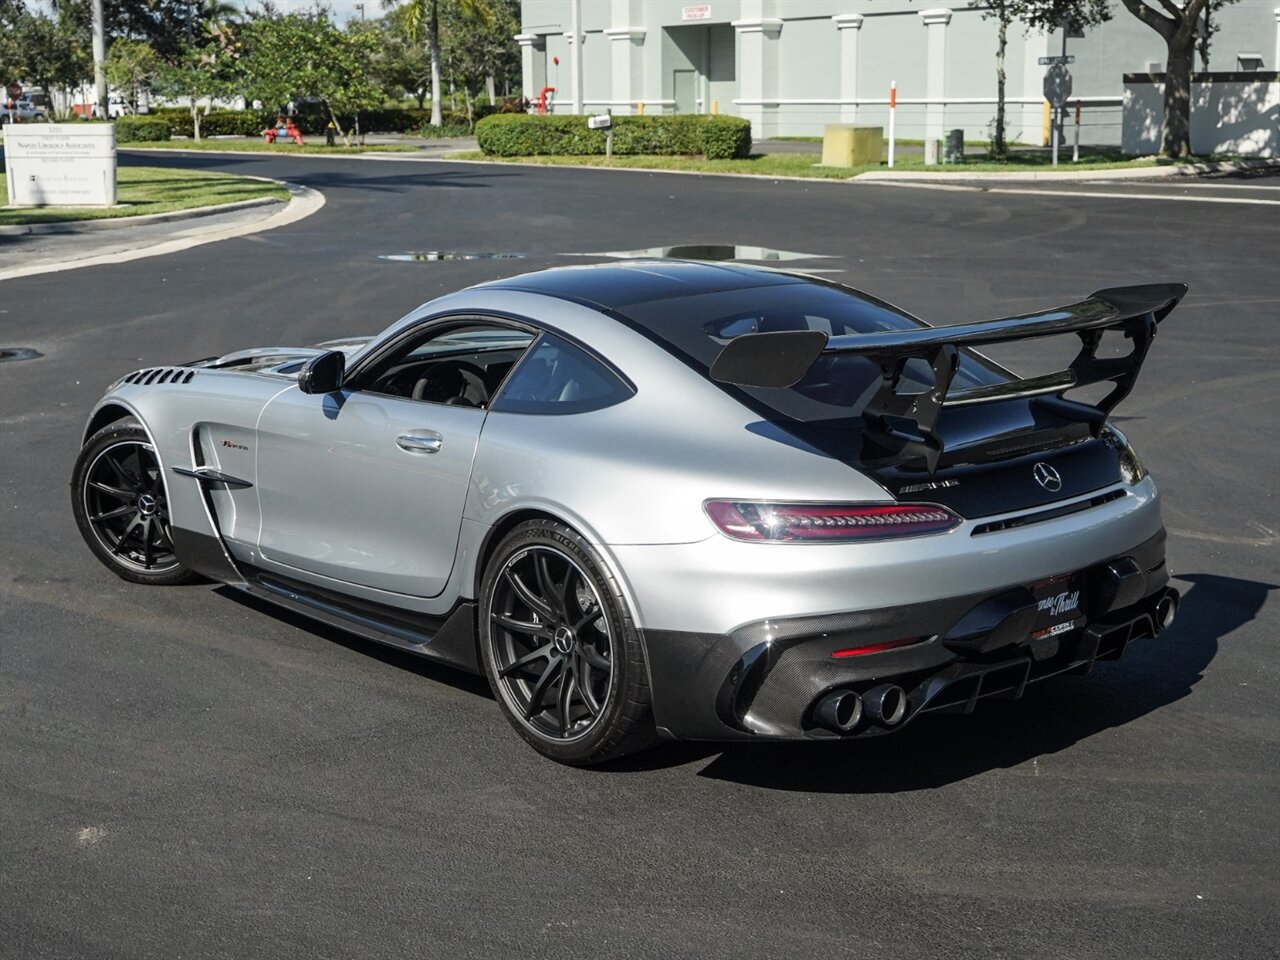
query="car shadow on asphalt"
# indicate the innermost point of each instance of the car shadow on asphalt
(939, 749)
(427, 669)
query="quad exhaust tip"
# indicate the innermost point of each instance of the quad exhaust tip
(886, 704)
(1166, 611)
(840, 711)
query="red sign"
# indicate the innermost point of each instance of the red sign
(14, 90)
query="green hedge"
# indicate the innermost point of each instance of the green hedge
(312, 121)
(141, 129)
(524, 135)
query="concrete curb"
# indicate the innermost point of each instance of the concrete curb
(1067, 176)
(90, 226)
(303, 202)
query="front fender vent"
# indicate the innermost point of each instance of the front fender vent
(149, 375)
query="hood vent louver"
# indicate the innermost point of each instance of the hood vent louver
(149, 375)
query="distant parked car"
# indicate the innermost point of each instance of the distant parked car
(24, 110)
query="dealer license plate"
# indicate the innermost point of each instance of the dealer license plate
(1061, 605)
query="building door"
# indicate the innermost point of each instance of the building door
(685, 90)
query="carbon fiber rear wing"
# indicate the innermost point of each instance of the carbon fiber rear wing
(906, 422)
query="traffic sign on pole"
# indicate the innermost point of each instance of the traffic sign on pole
(1057, 85)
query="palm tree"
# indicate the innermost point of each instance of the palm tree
(422, 19)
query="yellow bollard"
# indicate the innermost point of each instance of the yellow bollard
(1048, 123)
(640, 108)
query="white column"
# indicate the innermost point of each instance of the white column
(935, 22)
(526, 41)
(625, 51)
(1036, 45)
(758, 73)
(850, 27)
(1275, 64)
(575, 56)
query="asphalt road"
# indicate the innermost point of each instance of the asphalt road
(184, 774)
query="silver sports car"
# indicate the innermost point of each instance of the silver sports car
(663, 499)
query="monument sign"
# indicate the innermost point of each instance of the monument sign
(61, 164)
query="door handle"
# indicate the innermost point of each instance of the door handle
(428, 441)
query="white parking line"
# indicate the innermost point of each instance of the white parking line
(1106, 195)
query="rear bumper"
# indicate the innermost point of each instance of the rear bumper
(766, 678)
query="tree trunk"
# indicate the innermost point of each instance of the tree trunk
(999, 148)
(1175, 133)
(346, 139)
(433, 37)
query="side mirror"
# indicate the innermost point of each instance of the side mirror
(323, 374)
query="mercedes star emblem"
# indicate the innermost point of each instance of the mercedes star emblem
(1047, 477)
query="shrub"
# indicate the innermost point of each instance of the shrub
(235, 123)
(311, 120)
(726, 138)
(140, 129)
(523, 135)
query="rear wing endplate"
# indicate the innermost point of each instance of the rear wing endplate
(905, 423)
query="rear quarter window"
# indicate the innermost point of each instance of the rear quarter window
(556, 378)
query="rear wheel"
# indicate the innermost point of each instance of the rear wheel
(121, 506)
(560, 649)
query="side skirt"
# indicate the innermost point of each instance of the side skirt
(450, 639)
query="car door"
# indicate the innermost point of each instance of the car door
(367, 485)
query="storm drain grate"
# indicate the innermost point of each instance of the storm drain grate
(432, 256)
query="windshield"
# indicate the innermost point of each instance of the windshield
(837, 387)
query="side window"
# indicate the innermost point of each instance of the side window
(460, 364)
(557, 378)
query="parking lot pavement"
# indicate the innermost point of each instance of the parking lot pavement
(183, 773)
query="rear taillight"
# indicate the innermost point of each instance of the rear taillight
(827, 522)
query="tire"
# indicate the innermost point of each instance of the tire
(120, 502)
(560, 648)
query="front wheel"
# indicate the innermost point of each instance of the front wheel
(560, 649)
(120, 504)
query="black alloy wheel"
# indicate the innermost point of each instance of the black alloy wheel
(121, 506)
(559, 649)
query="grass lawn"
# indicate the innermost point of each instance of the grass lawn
(806, 165)
(143, 190)
(258, 145)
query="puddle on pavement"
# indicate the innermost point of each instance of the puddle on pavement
(432, 256)
(708, 251)
(8, 354)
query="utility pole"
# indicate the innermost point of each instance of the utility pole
(575, 68)
(100, 62)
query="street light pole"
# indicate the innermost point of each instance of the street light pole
(100, 62)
